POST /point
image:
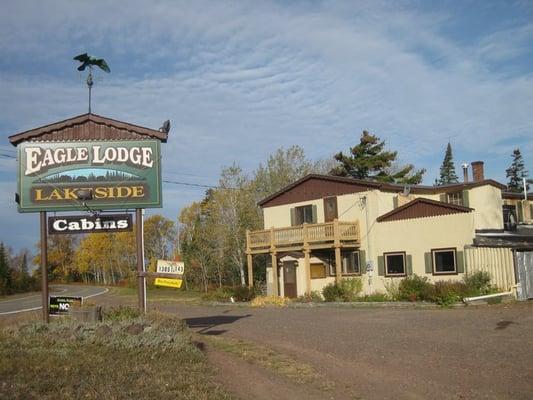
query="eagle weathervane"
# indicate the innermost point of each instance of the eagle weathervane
(90, 61)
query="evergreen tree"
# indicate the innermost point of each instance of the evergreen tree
(369, 160)
(447, 169)
(516, 173)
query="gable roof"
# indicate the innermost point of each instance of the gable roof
(314, 186)
(88, 127)
(422, 208)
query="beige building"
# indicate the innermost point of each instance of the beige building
(321, 229)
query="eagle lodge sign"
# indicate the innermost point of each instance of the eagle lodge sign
(89, 163)
(120, 174)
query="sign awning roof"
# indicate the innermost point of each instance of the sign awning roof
(88, 127)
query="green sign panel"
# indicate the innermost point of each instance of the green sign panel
(56, 176)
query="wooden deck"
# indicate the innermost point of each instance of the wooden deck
(307, 237)
(301, 237)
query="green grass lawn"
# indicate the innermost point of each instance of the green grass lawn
(123, 357)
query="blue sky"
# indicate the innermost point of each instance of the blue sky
(240, 79)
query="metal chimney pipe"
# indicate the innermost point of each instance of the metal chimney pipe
(465, 172)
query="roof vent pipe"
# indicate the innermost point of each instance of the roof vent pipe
(465, 173)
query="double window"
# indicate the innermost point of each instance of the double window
(444, 261)
(395, 264)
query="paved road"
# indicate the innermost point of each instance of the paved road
(29, 302)
(470, 353)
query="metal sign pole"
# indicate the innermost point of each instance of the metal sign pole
(44, 262)
(141, 289)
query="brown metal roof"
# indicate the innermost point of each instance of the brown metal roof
(314, 186)
(88, 127)
(421, 208)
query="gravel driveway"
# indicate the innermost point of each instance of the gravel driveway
(468, 353)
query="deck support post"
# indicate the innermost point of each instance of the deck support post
(337, 244)
(249, 260)
(307, 260)
(250, 270)
(275, 273)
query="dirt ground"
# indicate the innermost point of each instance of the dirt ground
(481, 352)
(469, 353)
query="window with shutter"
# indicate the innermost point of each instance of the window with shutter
(395, 264)
(444, 261)
(304, 215)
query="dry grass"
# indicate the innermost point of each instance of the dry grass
(120, 358)
(267, 358)
(262, 301)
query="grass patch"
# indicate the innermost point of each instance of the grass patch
(270, 359)
(120, 358)
(158, 294)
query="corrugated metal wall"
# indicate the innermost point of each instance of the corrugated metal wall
(498, 261)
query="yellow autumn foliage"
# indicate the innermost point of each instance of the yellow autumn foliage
(262, 301)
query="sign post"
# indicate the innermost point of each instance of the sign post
(44, 269)
(141, 279)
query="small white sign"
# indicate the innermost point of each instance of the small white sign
(170, 267)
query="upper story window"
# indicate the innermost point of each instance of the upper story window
(330, 209)
(303, 215)
(455, 198)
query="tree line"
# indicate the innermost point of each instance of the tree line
(14, 272)
(209, 235)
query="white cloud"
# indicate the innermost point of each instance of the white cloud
(239, 79)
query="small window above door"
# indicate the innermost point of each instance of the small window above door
(330, 209)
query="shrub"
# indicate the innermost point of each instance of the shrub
(261, 301)
(478, 283)
(244, 293)
(313, 297)
(332, 292)
(393, 289)
(350, 288)
(345, 290)
(415, 288)
(446, 293)
(220, 294)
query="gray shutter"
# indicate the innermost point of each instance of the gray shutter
(409, 264)
(381, 265)
(293, 216)
(442, 197)
(466, 201)
(519, 212)
(429, 263)
(315, 214)
(460, 262)
(362, 262)
(395, 201)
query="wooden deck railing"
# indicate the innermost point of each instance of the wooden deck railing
(307, 234)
